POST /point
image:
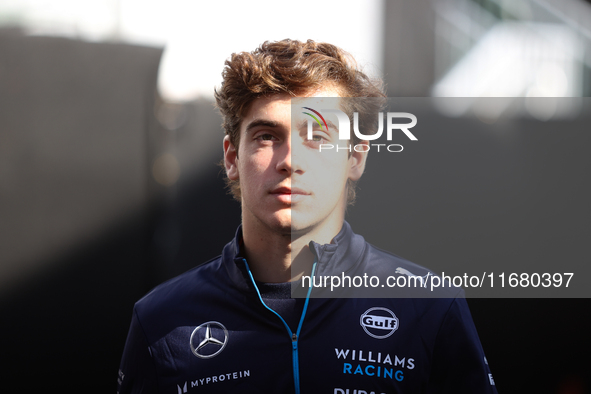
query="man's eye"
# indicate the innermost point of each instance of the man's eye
(265, 137)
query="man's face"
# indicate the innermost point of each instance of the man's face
(287, 185)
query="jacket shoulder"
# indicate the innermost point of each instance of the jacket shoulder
(177, 293)
(389, 265)
(392, 261)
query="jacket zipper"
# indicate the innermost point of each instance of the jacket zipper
(294, 336)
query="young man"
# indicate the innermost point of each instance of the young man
(230, 325)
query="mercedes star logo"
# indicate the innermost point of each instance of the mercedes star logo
(209, 339)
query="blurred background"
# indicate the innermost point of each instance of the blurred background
(109, 144)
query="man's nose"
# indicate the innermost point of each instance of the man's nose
(289, 157)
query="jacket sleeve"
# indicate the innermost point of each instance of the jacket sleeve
(459, 364)
(137, 372)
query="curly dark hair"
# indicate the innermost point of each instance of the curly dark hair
(292, 67)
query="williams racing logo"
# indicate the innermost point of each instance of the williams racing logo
(379, 322)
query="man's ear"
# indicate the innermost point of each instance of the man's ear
(357, 161)
(230, 158)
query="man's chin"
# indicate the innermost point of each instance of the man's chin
(291, 228)
(290, 224)
(300, 227)
(281, 224)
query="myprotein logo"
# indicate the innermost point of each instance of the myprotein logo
(344, 124)
(379, 322)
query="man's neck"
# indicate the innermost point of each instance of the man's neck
(268, 253)
(276, 257)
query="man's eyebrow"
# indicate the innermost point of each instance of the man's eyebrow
(261, 122)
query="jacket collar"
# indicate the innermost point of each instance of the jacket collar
(342, 255)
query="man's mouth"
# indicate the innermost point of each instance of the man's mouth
(288, 194)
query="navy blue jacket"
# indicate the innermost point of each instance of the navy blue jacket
(210, 331)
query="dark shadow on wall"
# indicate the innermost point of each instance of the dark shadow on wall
(65, 328)
(85, 229)
(536, 345)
